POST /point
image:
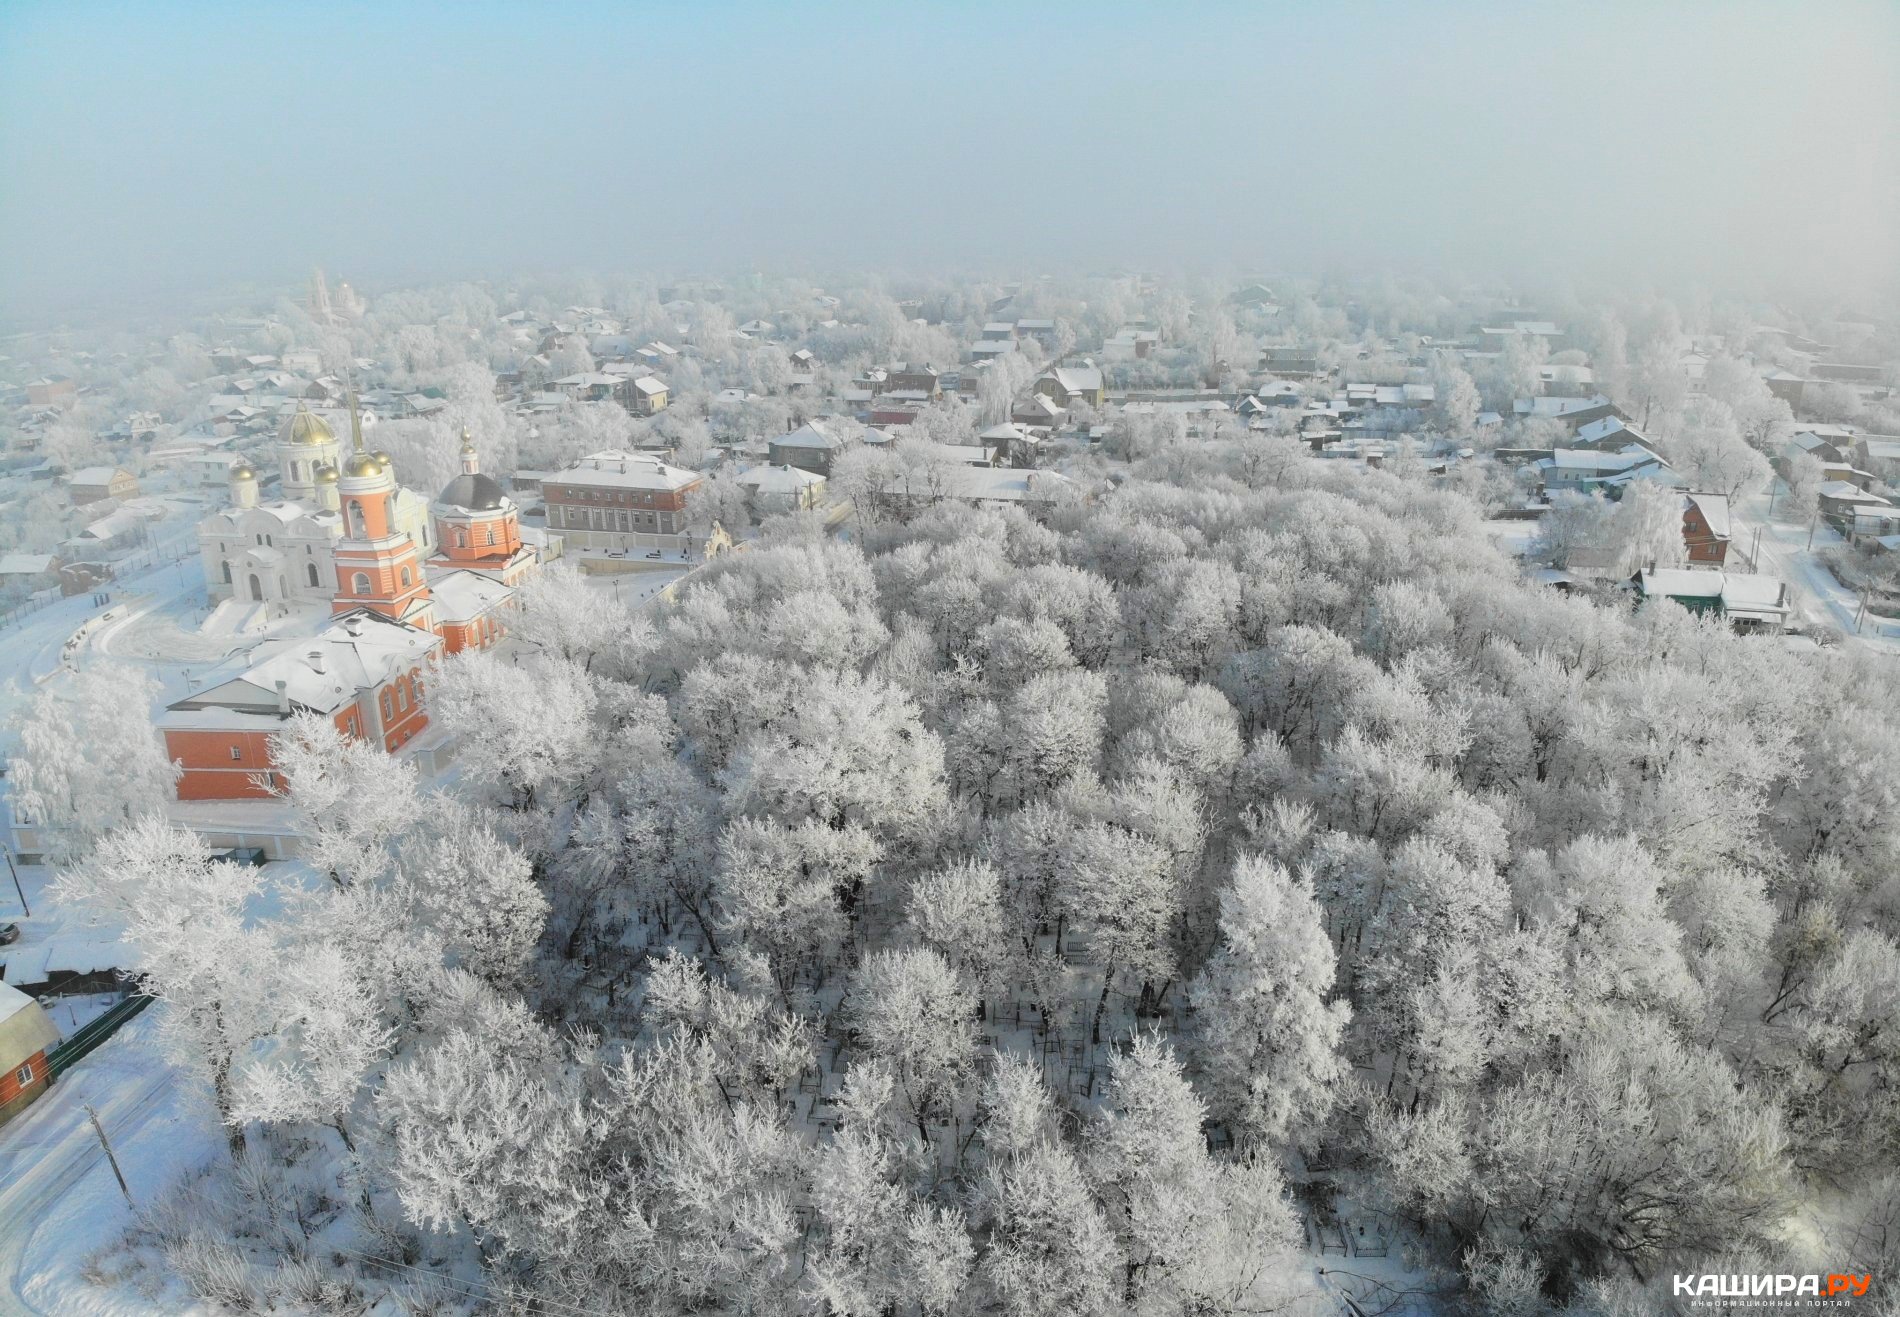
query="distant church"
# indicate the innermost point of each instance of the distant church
(404, 580)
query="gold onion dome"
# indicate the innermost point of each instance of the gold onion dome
(326, 474)
(306, 427)
(361, 463)
(242, 471)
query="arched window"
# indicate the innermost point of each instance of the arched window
(227, 573)
(461, 538)
(491, 534)
(283, 591)
(311, 570)
(405, 577)
(359, 584)
(357, 524)
(257, 589)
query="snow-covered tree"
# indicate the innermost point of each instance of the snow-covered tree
(1268, 1037)
(89, 760)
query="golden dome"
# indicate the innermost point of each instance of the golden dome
(326, 474)
(382, 455)
(305, 427)
(242, 471)
(361, 463)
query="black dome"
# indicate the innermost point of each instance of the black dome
(477, 493)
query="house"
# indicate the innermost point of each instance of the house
(1786, 386)
(1037, 411)
(53, 391)
(33, 570)
(1294, 361)
(1043, 331)
(1012, 442)
(813, 446)
(1573, 412)
(1706, 528)
(1494, 338)
(1611, 434)
(622, 500)
(938, 481)
(1068, 385)
(1840, 502)
(95, 483)
(589, 386)
(1828, 445)
(26, 1035)
(999, 331)
(1585, 469)
(904, 378)
(646, 396)
(110, 536)
(362, 671)
(1747, 602)
(1879, 454)
(773, 490)
(1129, 344)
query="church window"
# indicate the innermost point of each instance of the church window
(227, 570)
(461, 538)
(389, 705)
(359, 583)
(311, 568)
(357, 524)
(405, 577)
(237, 752)
(491, 534)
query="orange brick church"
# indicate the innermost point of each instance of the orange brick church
(402, 590)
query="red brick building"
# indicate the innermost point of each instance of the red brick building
(620, 500)
(363, 671)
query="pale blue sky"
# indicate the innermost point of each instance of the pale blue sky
(155, 148)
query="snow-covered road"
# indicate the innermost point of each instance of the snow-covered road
(58, 1198)
(1782, 549)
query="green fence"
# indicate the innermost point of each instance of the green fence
(70, 1050)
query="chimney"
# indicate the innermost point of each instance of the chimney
(316, 660)
(283, 697)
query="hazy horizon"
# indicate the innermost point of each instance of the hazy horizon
(161, 153)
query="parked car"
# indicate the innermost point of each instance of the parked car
(9, 933)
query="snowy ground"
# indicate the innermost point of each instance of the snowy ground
(60, 1202)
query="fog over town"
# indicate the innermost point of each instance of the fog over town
(947, 660)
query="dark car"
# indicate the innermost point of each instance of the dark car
(9, 933)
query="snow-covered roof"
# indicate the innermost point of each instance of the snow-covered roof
(1715, 512)
(823, 433)
(462, 596)
(354, 651)
(780, 479)
(1077, 379)
(26, 564)
(619, 469)
(12, 1002)
(97, 475)
(1842, 492)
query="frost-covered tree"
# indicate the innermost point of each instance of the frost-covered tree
(1268, 1037)
(89, 760)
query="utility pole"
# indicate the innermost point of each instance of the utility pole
(16, 883)
(105, 1143)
